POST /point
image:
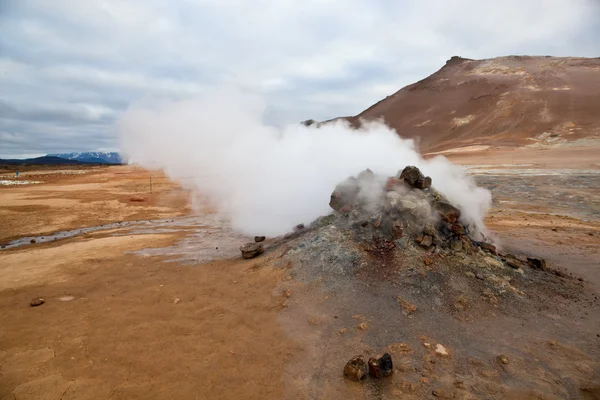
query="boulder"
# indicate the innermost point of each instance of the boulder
(356, 368)
(251, 250)
(258, 239)
(447, 211)
(381, 366)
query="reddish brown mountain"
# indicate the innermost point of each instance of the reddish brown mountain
(541, 102)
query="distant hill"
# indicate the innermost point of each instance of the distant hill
(515, 101)
(95, 157)
(45, 160)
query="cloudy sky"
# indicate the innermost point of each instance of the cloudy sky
(68, 68)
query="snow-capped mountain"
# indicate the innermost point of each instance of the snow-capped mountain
(101, 157)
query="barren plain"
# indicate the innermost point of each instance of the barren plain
(145, 299)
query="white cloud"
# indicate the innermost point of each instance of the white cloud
(312, 59)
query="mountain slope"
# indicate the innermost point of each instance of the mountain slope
(507, 101)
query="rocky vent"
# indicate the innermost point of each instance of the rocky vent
(405, 206)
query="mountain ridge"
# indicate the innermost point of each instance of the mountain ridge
(511, 101)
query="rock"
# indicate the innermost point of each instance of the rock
(251, 250)
(32, 241)
(426, 183)
(381, 366)
(466, 243)
(426, 242)
(363, 326)
(38, 301)
(308, 122)
(457, 229)
(356, 369)
(429, 229)
(513, 263)
(447, 211)
(413, 176)
(537, 263)
(344, 194)
(441, 350)
(258, 239)
(299, 227)
(287, 293)
(503, 359)
(488, 246)
(480, 276)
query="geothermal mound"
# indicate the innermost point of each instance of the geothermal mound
(398, 269)
(389, 228)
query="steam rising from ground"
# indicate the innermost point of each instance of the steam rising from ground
(267, 179)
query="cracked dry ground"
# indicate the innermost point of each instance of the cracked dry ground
(124, 325)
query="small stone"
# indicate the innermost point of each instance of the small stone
(343, 330)
(429, 230)
(407, 308)
(287, 292)
(428, 261)
(259, 239)
(554, 230)
(503, 359)
(441, 350)
(480, 276)
(427, 345)
(381, 366)
(513, 263)
(38, 301)
(177, 300)
(356, 369)
(299, 227)
(251, 250)
(489, 247)
(363, 326)
(32, 241)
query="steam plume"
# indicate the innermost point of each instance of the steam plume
(267, 179)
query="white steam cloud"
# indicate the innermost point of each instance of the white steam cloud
(265, 179)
